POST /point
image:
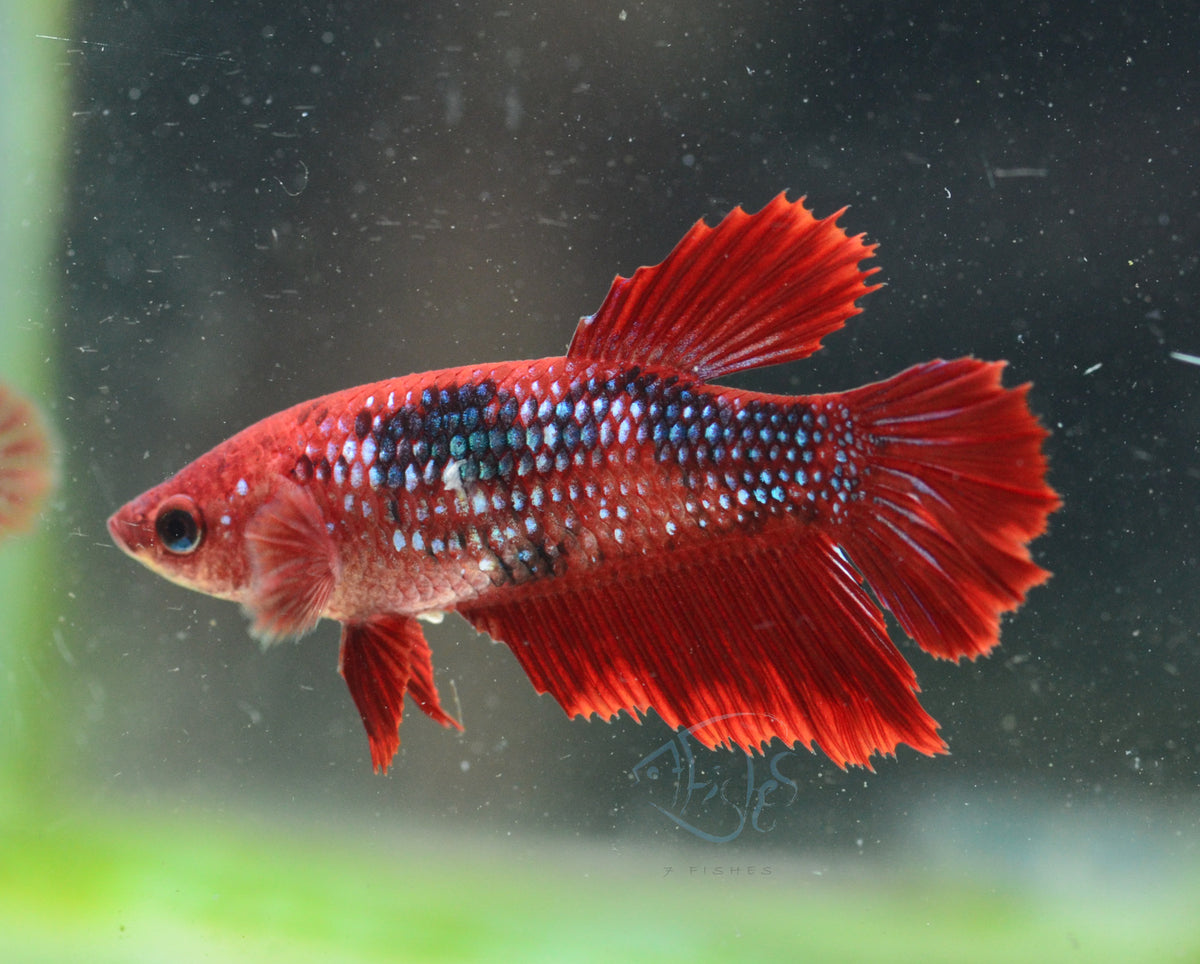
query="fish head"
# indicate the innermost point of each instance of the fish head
(191, 529)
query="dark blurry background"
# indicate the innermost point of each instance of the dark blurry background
(269, 201)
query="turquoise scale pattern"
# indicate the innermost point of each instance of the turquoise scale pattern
(529, 471)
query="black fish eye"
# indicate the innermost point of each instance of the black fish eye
(179, 525)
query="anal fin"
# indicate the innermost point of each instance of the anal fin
(750, 640)
(381, 659)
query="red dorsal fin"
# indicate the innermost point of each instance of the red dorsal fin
(744, 642)
(758, 289)
(381, 660)
(294, 565)
(956, 489)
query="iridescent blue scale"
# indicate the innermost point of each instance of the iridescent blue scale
(732, 451)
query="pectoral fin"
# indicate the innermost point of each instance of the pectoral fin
(294, 566)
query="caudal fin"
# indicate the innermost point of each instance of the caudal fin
(955, 492)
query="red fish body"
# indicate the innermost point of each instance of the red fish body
(640, 537)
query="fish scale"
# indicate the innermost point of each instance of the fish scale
(642, 539)
(506, 475)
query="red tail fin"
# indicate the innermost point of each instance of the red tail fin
(955, 493)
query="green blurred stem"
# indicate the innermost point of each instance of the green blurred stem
(35, 77)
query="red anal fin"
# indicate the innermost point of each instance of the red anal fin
(955, 491)
(758, 289)
(294, 565)
(25, 464)
(382, 659)
(746, 642)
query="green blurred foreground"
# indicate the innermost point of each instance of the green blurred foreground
(152, 890)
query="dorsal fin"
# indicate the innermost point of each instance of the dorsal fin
(758, 289)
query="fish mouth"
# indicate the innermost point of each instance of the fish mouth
(131, 534)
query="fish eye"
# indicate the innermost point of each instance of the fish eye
(179, 525)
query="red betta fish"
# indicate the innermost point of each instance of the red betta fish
(641, 538)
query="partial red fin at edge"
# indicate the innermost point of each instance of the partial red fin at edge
(758, 289)
(26, 466)
(382, 659)
(750, 640)
(955, 491)
(294, 565)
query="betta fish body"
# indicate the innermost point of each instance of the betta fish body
(640, 537)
